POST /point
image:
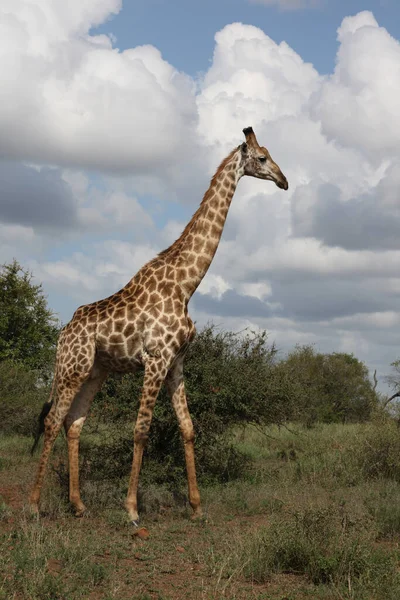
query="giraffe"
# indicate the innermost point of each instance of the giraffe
(145, 325)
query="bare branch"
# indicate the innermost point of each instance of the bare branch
(375, 380)
(396, 395)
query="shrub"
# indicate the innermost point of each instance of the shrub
(383, 503)
(21, 397)
(28, 328)
(328, 545)
(327, 387)
(378, 453)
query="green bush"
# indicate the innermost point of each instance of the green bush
(328, 388)
(329, 545)
(28, 328)
(21, 398)
(383, 503)
(378, 453)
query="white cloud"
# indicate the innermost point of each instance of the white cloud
(260, 290)
(99, 271)
(380, 320)
(49, 21)
(214, 285)
(35, 197)
(252, 81)
(358, 105)
(107, 211)
(70, 98)
(15, 237)
(59, 204)
(367, 221)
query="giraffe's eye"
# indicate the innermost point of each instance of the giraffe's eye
(262, 159)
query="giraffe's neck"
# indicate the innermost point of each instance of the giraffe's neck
(194, 250)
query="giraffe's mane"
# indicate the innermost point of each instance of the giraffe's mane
(204, 200)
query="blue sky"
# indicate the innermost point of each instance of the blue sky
(109, 135)
(184, 30)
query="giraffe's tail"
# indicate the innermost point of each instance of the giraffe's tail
(44, 412)
(49, 403)
(40, 428)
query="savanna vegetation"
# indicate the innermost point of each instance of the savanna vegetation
(298, 462)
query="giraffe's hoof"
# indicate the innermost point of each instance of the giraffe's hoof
(135, 522)
(34, 510)
(198, 515)
(80, 511)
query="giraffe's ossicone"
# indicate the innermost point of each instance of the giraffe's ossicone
(146, 325)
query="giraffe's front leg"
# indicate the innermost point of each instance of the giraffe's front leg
(155, 372)
(176, 388)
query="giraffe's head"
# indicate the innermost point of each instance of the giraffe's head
(257, 161)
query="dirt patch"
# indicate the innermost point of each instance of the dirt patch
(12, 495)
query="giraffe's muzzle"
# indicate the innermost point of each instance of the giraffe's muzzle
(282, 183)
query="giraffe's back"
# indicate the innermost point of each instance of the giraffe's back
(148, 315)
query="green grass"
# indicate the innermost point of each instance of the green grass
(36, 560)
(313, 517)
(329, 545)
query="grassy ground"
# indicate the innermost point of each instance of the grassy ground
(317, 516)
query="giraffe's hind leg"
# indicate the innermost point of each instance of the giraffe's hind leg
(73, 425)
(70, 377)
(52, 424)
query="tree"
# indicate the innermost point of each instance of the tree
(394, 378)
(28, 328)
(328, 387)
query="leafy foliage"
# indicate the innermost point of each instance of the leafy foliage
(327, 387)
(20, 398)
(394, 382)
(379, 452)
(28, 328)
(330, 545)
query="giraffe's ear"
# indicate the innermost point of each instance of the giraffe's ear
(244, 148)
